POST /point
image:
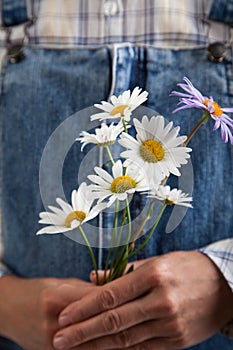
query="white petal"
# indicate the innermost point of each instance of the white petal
(117, 169)
(52, 219)
(99, 116)
(105, 106)
(99, 181)
(56, 210)
(53, 230)
(104, 174)
(128, 141)
(64, 205)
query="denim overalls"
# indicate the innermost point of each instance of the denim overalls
(47, 87)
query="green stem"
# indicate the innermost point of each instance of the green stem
(116, 262)
(144, 221)
(113, 239)
(125, 125)
(91, 253)
(196, 127)
(150, 233)
(110, 155)
(129, 221)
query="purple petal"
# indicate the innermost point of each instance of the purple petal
(228, 110)
(180, 108)
(224, 132)
(227, 120)
(216, 124)
(181, 94)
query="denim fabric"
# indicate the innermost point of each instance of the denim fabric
(14, 12)
(221, 10)
(47, 87)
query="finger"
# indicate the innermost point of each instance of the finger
(148, 307)
(102, 275)
(109, 296)
(159, 344)
(80, 288)
(67, 293)
(109, 322)
(55, 298)
(132, 336)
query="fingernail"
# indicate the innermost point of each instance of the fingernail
(64, 320)
(59, 342)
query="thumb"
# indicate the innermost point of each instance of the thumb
(103, 276)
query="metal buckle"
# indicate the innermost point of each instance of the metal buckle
(14, 48)
(217, 51)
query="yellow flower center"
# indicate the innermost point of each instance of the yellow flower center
(169, 201)
(119, 109)
(152, 151)
(217, 109)
(122, 184)
(106, 143)
(74, 215)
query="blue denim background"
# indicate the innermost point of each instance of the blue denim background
(13, 12)
(47, 87)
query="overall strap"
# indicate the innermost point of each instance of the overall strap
(15, 12)
(221, 10)
(18, 13)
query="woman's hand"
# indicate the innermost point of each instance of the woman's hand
(169, 302)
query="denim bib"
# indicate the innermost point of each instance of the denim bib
(48, 86)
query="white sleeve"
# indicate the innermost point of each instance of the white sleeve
(221, 253)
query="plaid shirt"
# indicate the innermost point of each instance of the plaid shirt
(99, 22)
(72, 23)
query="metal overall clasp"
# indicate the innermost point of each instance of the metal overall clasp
(217, 50)
(15, 47)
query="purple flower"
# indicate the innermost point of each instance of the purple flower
(194, 99)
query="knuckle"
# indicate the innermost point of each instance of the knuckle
(158, 274)
(46, 301)
(124, 339)
(169, 305)
(179, 328)
(112, 322)
(78, 336)
(180, 343)
(179, 335)
(142, 346)
(46, 332)
(107, 299)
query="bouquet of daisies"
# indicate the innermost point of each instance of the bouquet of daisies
(143, 165)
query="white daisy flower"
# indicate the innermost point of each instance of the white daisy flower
(157, 148)
(174, 196)
(70, 216)
(121, 106)
(120, 184)
(104, 136)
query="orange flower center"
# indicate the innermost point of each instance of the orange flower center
(217, 109)
(119, 109)
(152, 151)
(121, 184)
(74, 215)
